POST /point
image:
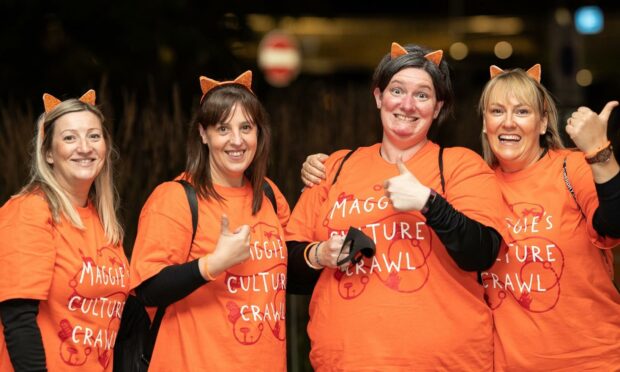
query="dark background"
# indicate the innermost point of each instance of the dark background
(144, 59)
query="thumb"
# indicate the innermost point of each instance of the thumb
(225, 223)
(401, 166)
(606, 112)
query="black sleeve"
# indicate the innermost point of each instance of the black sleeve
(171, 284)
(472, 245)
(300, 278)
(22, 334)
(606, 220)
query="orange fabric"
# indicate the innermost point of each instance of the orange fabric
(81, 281)
(236, 322)
(410, 307)
(554, 303)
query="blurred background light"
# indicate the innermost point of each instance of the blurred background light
(589, 19)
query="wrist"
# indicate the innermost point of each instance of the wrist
(312, 251)
(600, 155)
(429, 201)
(208, 267)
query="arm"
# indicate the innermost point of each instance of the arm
(472, 245)
(306, 261)
(22, 334)
(589, 132)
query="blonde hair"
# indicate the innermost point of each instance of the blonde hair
(102, 194)
(518, 84)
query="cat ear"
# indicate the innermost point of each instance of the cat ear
(435, 56)
(49, 102)
(245, 79)
(534, 72)
(397, 50)
(207, 84)
(89, 97)
(494, 71)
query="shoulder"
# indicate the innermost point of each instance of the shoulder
(462, 154)
(31, 206)
(165, 196)
(464, 160)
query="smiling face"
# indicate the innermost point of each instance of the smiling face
(408, 107)
(513, 128)
(232, 145)
(78, 150)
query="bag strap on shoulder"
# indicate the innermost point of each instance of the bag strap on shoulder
(270, 195)
(190, 193)
(346, 157)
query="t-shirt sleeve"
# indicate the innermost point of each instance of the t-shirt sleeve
(284, 211)
(472, 189)
(27, 251)
(304, 216)
(164, 233)
(582, 180)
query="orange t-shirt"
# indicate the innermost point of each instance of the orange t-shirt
(554, 304)
(236, 322)
(80, 280)
(410, 307)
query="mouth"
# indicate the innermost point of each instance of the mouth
(405, 118)
(236, 154)
(509, 138)
(84, 162)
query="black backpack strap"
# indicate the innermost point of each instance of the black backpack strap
(270, 195)
(347, 156)
(443, 180)
(161, 310)
(570, 187)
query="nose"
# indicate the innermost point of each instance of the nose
(408, 103)
(84, 146)
(509, 121)
(236, 138)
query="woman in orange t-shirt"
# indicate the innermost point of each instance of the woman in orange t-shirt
(64, 276)
(554, 303)
(225, 294)
(417, 304)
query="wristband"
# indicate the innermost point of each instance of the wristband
(306, 254)
(600, 155)
(206, 270)
(429, 202)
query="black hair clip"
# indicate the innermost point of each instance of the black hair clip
(359, 245)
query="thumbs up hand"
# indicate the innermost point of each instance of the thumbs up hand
(405, 191)
(232, 248)
(588, 129)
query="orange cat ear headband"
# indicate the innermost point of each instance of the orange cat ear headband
(49, 101)
(397, 51)
(534, 72)
(207, 84)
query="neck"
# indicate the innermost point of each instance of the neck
(78, 195)
(521, 164)
(392, 153)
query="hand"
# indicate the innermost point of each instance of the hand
(405, 191)
(589, 130)
(329, 251)
(313, 170)
(232, 248)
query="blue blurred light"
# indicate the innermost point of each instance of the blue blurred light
(589, 19)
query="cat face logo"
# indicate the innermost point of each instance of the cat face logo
(72, 353)
(246, 329)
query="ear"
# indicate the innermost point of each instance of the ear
(377, 94)
(484, 125)
(494, 71)
(203, 134)
(435, 56)
(49, 102)
(89, 97)
(245, 79)
(543, 124)
(397, 51)
(534, 72)
(49, 158)
(438, 107)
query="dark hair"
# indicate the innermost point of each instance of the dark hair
(388, 67)
(216, 106)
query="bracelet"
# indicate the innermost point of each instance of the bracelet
(316, 254)
(206, 271)
(601, 155)
(593, 153)
(306, 254)
(429, 202)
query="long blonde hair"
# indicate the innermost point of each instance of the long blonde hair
(517, 83)
(102, 193)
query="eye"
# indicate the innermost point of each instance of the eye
(246, 128)
(222, 129)
(495, 111)
(523, 111)
(396, 91)
(68, 138)
(95, 136)
(422, 96)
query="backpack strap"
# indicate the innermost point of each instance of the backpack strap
(570, 187)
(346, 157)
(270, 195)
(443, 179)
(190, 193)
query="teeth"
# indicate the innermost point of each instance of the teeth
(404, 118)
(509, 137)
(84, 161)
(235, 153)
